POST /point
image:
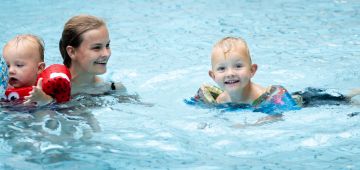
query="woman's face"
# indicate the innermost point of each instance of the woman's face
(93, 53)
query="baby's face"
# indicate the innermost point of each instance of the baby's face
(233, 71)
(23, 61)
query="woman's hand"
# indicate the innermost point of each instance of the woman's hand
(38, 96)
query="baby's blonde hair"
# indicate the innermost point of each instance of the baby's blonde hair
(228, 44)
(29, 38)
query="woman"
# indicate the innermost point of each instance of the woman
(85, 48)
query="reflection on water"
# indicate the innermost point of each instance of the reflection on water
(161, 50)
(47, 134)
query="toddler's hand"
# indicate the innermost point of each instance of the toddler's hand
(38, 96)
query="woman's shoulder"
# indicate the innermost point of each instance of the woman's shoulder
(115, 86)
(111, 87)
(103, 87)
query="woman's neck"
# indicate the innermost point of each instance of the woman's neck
(79, 78)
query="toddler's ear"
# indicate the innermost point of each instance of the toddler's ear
(211, 74)
(253, 69)
(41, 67)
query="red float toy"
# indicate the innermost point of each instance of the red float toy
(56, 83)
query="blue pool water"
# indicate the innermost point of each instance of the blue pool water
(160, 51)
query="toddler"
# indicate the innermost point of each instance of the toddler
(232, 70)
(24, 56)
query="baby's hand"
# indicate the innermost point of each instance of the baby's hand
(38, 96)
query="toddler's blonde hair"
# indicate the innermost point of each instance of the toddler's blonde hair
(228, 44)
(29, 38)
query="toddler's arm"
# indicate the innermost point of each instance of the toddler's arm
(38, 96)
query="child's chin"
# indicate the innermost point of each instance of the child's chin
(234, 86)
(16, 86)
(232, 89)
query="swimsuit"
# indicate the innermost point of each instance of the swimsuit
(317, 96)
(274, 101)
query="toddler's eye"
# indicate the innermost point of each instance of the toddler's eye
(238, 65)
(220, 69)
(19, 65)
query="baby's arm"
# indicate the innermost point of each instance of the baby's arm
(353, 93)
(223, 98)
(38, 96)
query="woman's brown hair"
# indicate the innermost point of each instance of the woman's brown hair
(72, 33)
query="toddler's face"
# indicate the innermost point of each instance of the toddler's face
(94, 52)
(23, 61)
(233, 72)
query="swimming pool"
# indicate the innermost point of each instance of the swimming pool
(160, 51)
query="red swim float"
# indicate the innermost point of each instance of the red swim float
(17, 93)
(56, 83)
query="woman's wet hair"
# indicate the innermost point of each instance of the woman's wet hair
(72, 33)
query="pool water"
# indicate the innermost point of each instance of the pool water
(160, 52)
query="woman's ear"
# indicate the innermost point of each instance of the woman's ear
(253, 69)
(211, 74)
(70, 51)
(41, 67)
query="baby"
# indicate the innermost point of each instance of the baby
(232, 69)
(24, 56)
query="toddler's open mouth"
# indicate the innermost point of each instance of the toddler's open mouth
(13, 80)
(231, 81)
